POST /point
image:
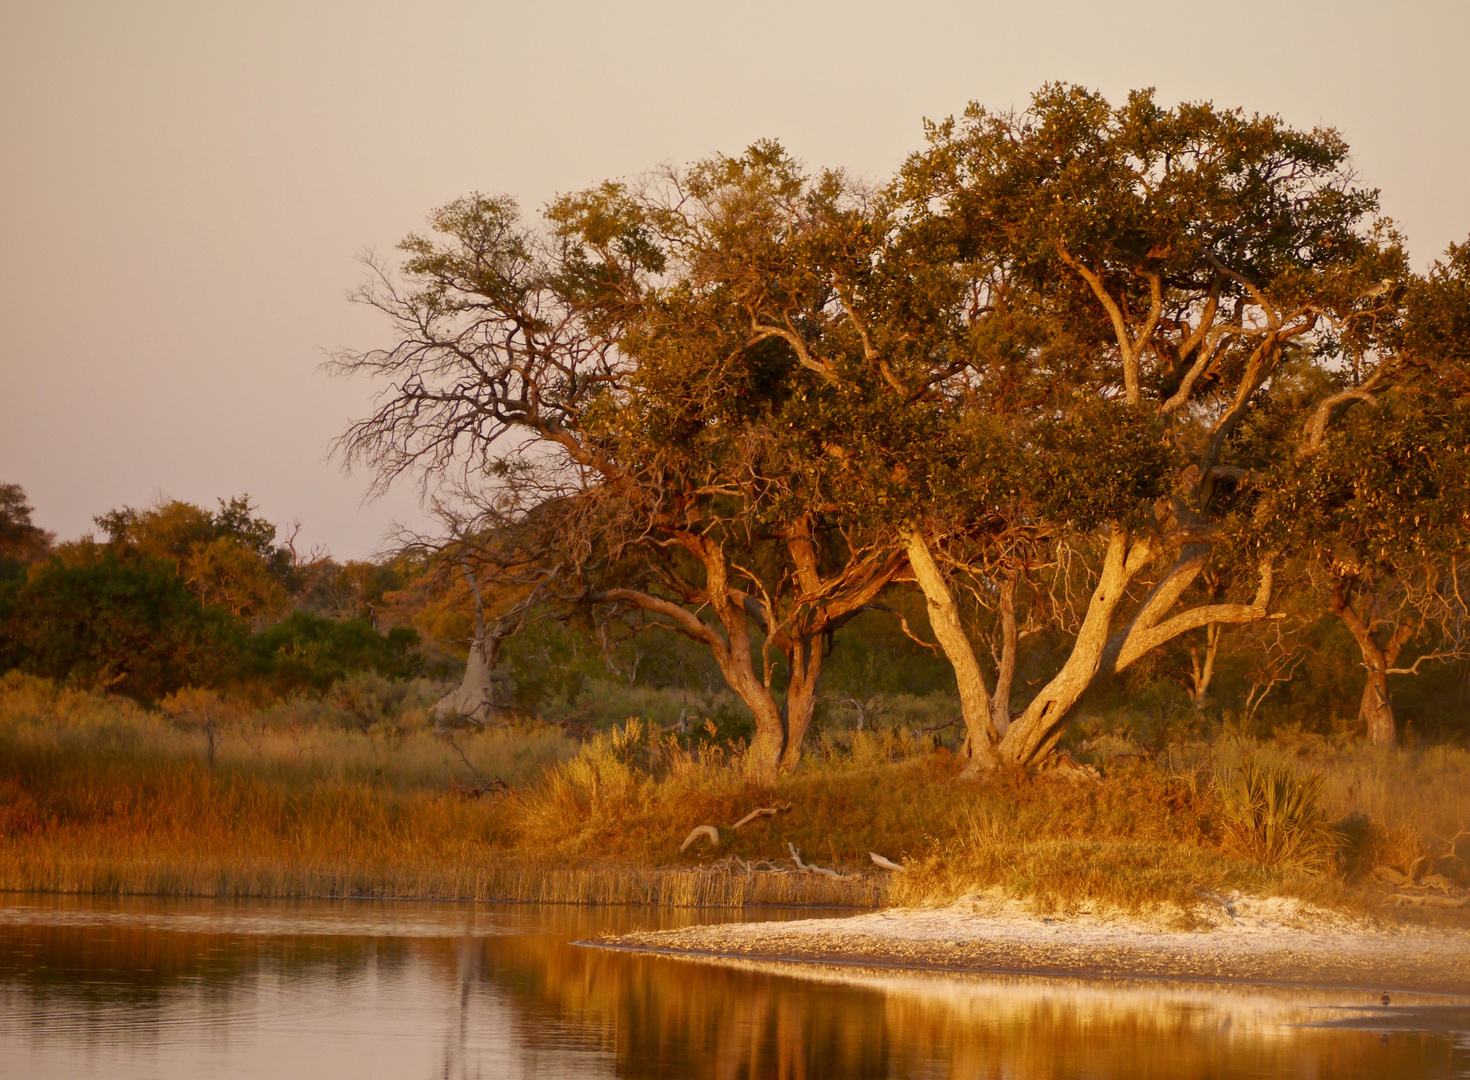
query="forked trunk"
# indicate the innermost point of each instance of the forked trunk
(1203, 666)
(1375, 709)
(1036, 731)
(944, 618)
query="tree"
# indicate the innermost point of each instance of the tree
(1380, 508)
(1136, 280)
(22, 543)
(129, 627)
(598, 364)
(505, 561)
(227, 558)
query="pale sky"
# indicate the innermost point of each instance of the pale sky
(185, 187)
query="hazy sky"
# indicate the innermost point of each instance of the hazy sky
(185, 187)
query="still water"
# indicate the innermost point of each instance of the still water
(100, 989)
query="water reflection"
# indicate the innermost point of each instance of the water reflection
(92, 989)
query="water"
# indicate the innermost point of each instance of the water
(123, 989)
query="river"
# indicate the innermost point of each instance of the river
(118, 989)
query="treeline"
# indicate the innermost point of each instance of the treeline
(144, 612)
(175, 595)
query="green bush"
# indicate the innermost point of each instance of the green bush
(1273, 816)
(307, 651)
(129, 627)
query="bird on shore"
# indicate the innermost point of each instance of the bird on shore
(1384, 999)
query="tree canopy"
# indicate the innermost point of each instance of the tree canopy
(760, 395)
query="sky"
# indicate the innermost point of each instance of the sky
(187, 189)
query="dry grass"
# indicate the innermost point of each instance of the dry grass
(99, 795)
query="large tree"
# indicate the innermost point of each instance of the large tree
(597, 363)
(1138, 279)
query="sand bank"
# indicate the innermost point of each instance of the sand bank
(1235, 939)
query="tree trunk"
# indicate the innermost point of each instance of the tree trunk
(1036, 731)
(801, 697)
(1375, 709)
(1000, 701)
(944, 618)
(1204, 666)
(474, 698)
(731, 649)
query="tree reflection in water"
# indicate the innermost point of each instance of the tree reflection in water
(421, 990)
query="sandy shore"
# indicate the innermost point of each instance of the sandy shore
(1242, 940)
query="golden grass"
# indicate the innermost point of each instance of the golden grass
(99, 795)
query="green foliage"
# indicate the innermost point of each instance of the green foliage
(21, 541)
(227, 557)
(130, 627)
(306, 651)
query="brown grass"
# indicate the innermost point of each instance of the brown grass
(98, 795)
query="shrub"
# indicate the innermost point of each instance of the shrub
(1273, 816)
(307, 651)
(129, 627)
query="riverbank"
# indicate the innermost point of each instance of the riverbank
(1233, 940)
(99, 796)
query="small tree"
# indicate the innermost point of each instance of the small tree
(1380, 508)
(22, 543)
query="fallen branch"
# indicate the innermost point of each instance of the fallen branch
(886, 864)
(702, 830)
(807, 868)
(760, 812)
(940, 726)
(732, 862)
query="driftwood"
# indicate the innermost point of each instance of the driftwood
(760, 812)
(701, 830)
(807, 868)
(886, 864)
(735, 862)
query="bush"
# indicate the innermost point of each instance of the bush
(129, 627)
(307, 651)
(1273, 816)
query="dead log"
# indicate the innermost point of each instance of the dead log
(886, 864)
(760, 812)
(808, 868)
(702, 830)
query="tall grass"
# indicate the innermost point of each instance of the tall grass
(311, 798)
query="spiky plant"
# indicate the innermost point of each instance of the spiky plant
(1273, 816)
